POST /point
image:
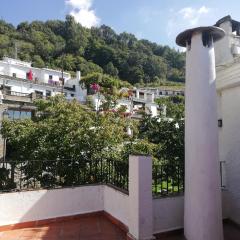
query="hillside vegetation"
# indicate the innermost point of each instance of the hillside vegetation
(57, 44)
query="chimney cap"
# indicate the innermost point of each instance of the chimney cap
(185, 36)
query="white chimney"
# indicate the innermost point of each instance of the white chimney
(202, 206)
(78, 75)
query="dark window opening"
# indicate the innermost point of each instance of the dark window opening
(188, 43)
(39, 94)
(207, 39)
(48, 93)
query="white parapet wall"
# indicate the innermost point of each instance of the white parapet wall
(168, 212)
(116, 203)
(45, 204)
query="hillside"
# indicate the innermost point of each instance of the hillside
(56, 43)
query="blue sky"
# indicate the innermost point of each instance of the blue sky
(156, 20)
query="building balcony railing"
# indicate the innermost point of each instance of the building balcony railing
(34, 81)
(9, 95)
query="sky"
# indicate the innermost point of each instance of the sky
(156, 20)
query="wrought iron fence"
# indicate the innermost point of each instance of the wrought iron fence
(40, 174)
(168, 179)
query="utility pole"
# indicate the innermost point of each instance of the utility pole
(16, 50)
(62, 73)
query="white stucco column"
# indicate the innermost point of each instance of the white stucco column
(137, 93)
(140, 198)
(202, 207)
(145, 95)
(152, 97)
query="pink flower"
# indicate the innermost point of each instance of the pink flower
(95, 87)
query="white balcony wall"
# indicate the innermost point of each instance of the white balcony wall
(168, 212)
(28, 87)
(117, 204)
(45, 204)
(9, 68)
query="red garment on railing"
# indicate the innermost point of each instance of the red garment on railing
(30, 75)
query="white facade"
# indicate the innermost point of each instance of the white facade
(228, 48)
(45, 82)
(228, 88)
(19, 69)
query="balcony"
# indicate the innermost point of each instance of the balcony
(20, 97)
(6, 78)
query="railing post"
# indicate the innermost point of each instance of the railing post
(140, 198)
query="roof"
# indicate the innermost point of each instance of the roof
(228, 18)
(222, 20)
(184, 37)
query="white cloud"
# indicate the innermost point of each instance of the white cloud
(193, 15)
(83, 13)
(188, 17)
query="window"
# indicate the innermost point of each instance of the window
(14, 75)
(72, 95)
(48, 93)
(19, 114)
(62, 80)
(39, 94)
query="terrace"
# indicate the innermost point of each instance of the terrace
(94, 201)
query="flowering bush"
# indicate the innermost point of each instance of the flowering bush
(95, 87)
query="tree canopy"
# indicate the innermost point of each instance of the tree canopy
(99, 49)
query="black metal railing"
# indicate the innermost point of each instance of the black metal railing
(40, 174)
(168, 179)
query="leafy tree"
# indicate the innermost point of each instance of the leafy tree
(174, 106)
(99, 49)
(61, 131)
(111, 70)
(76, 36)
(167, 135)
(38, 62)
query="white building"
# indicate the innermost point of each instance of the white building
(21, 79)
(228, 88)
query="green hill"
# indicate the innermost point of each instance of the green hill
(56, 43)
